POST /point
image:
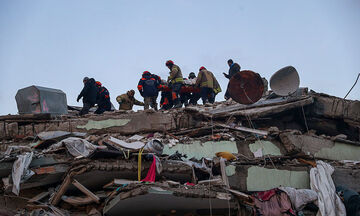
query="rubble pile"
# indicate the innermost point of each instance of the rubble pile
(291, 155)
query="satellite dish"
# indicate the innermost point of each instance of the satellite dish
(246, 87)
(285, 81)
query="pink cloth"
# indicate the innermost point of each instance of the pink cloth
(150, 177)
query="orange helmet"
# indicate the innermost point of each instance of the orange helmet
(169, 63)
(98, 83)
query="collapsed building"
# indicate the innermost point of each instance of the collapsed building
(282, 155)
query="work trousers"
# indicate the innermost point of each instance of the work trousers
(103, 107)
(176, 88)
(150, 101)
(227, 94)
(86, 108)
(207, 95)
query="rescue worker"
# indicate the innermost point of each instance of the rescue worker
(208, 84)
(233, 69)
(188, 92)
(88, 93)
(127, 101)
(166, 102)
(103, 99)
(195, 94)
(175, 81)
(148, 88)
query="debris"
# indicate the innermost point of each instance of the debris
(244, 129)
(86, 191)
(154, 146)
(122, 144)
(218, 154)
(330, 203)
(20, 171)
(79, 147)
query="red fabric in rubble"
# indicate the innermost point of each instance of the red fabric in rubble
(150, 177)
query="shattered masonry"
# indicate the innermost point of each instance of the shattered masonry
(90, 165)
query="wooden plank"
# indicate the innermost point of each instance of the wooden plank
(261, 111)
(64, 186)
(223, 172)
(86, 191)
(39, 197)
(244, 129)
(39, 116)
(260, 103)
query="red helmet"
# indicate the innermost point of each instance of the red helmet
(98, 83)
(202, 68)
(169, 63)
(146, 72)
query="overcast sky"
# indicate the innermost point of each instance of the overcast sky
(56, 43)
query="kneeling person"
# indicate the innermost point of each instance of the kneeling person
(127, 101)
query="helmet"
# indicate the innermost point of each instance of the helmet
(202, 68)
(98, 83)
(169, 63)
(192, 75)
(146, 72)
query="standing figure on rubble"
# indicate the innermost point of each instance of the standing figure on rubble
(88, 93)
(209, 86)
(149, 88)
(175, 81)
(190, 95)
(166, 102)
(233, 69)
(127, 101)
(102, 99)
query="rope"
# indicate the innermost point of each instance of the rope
(306, 125)
(352, 86)
(261, 143)
(139, 164)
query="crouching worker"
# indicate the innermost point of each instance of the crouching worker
(103, 99)
(149, 88)
(209, 86)
(88, 93)
(127, 101)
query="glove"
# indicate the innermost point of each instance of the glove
(78, 98)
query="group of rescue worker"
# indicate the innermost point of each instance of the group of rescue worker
(175, 92)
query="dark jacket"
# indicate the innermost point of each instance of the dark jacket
(103, 98)
(89, 92)
(148, 85)
(234, 68)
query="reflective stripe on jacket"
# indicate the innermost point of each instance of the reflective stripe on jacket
(175, 75)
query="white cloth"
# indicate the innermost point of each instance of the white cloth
(321, 182)
(299, 198)
(20, 171)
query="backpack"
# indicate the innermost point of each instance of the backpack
(150, 88)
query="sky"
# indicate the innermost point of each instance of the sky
(56, 43)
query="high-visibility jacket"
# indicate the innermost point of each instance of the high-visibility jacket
(175, 75)
(207, 79)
